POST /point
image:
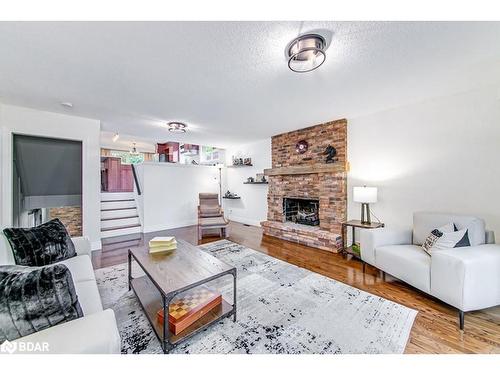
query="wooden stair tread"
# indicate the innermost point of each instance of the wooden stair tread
(117, 200)
(120, 227)
(116, 209)
(121, 239)
(119, 218)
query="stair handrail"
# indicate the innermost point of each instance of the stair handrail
(136, 180)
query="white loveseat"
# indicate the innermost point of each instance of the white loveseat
(467, 278)
(96, 331)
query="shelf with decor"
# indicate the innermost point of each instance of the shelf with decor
(240, 162)
(231, 197)
(256, 183)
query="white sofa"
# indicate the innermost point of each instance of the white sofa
(467, 278)
(96, 331)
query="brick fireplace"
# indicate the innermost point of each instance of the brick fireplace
(303, 184)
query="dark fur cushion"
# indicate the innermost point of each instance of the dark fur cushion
(33, 299)
(42, 245)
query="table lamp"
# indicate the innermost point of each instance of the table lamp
(365, 195)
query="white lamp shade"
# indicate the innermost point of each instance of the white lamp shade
(364, 194)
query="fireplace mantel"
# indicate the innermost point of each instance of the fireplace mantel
(306, 169)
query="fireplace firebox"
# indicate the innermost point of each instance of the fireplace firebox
(301, 210)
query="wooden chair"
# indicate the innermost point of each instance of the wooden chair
(211, 215)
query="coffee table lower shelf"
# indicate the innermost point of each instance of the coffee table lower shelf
(151, 301)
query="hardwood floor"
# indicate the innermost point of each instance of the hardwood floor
(435, 329)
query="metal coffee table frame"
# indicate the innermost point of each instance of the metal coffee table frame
(166, 342)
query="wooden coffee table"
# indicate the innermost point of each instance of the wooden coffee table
(172, 273)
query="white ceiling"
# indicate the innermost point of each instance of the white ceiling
(229, 80)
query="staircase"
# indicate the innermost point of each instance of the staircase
(119, 215)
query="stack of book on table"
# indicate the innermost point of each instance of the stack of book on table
(162, 244)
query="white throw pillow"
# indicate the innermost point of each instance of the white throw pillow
(460, 238)
(434, 236)
(450, 227)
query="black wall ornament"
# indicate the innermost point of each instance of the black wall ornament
(301, 146)
(330, 153)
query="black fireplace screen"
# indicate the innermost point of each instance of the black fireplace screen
(301, 211)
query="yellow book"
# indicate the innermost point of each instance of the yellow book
(162, 244)
(162, 241)
(161, 249)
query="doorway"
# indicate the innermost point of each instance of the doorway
(47, 182)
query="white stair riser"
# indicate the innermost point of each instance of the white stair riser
(120, 232)
(117, 204)
(119, 222)
(114, 196)
(115, 214)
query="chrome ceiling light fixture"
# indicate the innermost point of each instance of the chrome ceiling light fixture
(306, 53)
(177, 127)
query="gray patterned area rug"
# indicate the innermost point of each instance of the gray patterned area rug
(281, 309)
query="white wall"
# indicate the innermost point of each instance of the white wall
(439, 155)
(252, 207)
(19, 120)
(170, 193)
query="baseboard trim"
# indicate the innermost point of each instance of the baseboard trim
(244, 220)
(159, 227)
(187, 223)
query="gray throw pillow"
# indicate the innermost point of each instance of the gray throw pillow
(33, 299)
(42, 245)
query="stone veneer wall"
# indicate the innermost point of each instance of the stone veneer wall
(329, 188)
(71, 217)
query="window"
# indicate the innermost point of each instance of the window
(211, 154)
(127, 157)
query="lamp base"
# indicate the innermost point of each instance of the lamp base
(365, 207)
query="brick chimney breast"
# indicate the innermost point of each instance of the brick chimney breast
(314, 179)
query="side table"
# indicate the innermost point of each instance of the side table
(355, 224)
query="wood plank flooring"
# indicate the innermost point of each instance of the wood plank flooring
(436, 326)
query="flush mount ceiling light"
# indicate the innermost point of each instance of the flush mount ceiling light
(67, 104)
(177, 127)
(306, 53)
